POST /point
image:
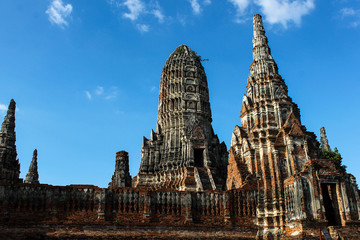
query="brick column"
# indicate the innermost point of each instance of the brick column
(186, 207)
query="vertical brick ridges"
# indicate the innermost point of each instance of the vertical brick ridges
(323, 139)
(9, 164)
(273, 151)
(184, 137)
(121, 177)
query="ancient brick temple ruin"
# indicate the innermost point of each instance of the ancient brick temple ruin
(183, 153)
(274, 184)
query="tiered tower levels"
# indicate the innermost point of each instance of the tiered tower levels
(184, 141)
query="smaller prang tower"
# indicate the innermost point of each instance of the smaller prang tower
(32, 176)
(324, 140)
(183, 153)
(9, 164)
(121, 177)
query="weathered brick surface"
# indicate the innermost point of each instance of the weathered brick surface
(184, 142)
(274, 153)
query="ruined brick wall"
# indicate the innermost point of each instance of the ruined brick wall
(37, 204)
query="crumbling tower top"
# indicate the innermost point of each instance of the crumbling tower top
(323, 139)
(7, 132)
(9, 165)
(33, 175)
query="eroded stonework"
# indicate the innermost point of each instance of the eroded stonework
(183, 153)
(33, 176)
(121, 177)
(273, 151)
(9, 164)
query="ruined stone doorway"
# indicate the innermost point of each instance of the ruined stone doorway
(331, 204)
(198, 157)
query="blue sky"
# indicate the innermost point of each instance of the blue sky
(85, 73)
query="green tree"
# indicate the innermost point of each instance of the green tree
(335, 155)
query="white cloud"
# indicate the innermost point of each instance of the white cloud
(88, 95)
(58, 12)
(351, 15)
(158, 14)
(3, 109)
(143, 27)
(195, 6)
(113, 93)
(99, 90)
(207, 2)
(345, 12)
(135, 7)
(240, 6)
(285, 11)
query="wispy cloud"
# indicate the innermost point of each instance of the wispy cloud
(58, 12)
(207, 2)
(102, 93)
(351, 14)
(3, 109)
(196, 5)
(99, 90)
(285, 11)
(240, 6)
(152, 89)
(143, 27)
(157, 12)
(88, 95)
(135, 7)
(345, 12)
(275, 11)
(113, 93)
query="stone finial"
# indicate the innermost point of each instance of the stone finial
(323, 140)
(33, 175)
(259, 38)
(121, 177)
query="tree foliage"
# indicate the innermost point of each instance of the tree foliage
(335, 155)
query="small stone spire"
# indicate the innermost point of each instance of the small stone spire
(7, 132)
(9, 164)
(33, 175)
(323, 140)
(121, 177)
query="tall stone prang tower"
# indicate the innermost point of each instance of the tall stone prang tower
(183, 153)
(271, 143)
(32, 176)
(9, 164)
(273, 152)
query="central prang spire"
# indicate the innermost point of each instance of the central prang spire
(184, 137)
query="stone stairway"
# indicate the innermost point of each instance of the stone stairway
(204, 177)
